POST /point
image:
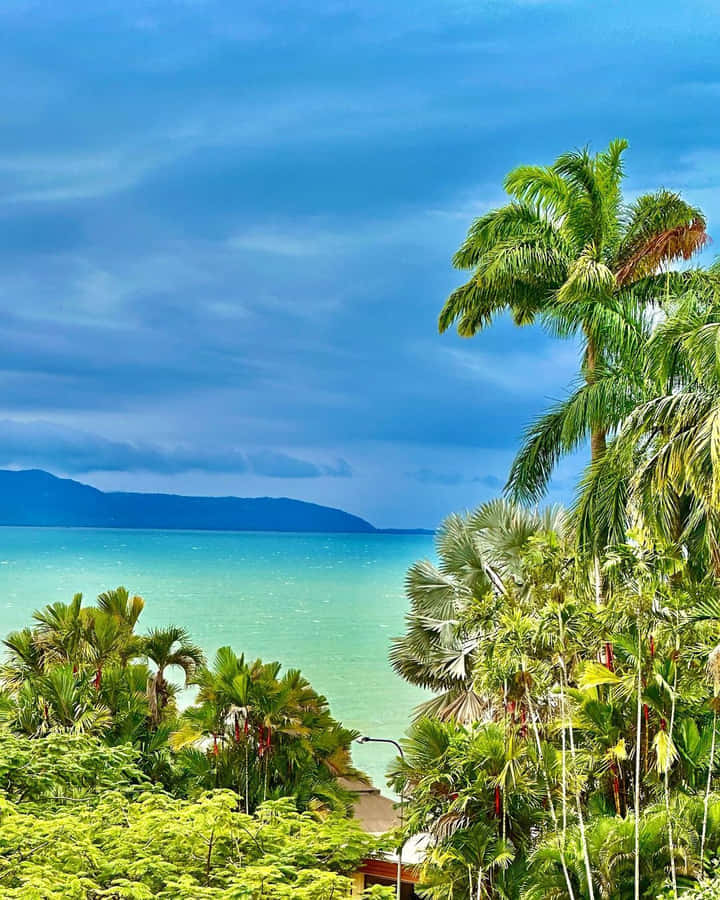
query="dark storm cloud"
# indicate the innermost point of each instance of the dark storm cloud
(70, 450)
(230, 226)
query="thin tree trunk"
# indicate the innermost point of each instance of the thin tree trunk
(578, 801)
(671, 843)
(152, 698)
(247, 778)
(711, 766)
(637, 765)
(505, 733)
(563, 750)
(551, 805)
(598, 582)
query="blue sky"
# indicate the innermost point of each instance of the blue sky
(226, 231)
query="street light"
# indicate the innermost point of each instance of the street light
(364, 739)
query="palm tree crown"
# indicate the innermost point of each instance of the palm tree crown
(568, 250)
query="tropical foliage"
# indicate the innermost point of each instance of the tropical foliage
(263, 734)
(570, 746)
(569, 742)
(568, 250)
(82, 820)
(85, 670)
(107, 789)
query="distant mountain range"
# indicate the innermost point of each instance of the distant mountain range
(34, 497)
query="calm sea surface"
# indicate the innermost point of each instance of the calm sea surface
(326, 604)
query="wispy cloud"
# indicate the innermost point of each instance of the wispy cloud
(433, 476)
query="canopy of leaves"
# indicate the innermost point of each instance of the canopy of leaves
(156, 846)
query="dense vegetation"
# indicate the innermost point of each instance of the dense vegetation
(570, 748)
(82, 820)
(109, 791)
(84, 669)
(558, 724)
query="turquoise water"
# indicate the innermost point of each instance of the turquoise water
(326, 604)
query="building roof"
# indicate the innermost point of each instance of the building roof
(375, 812)
(378, 814)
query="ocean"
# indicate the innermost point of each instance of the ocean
(326, 604)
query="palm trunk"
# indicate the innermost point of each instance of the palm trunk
(152, 698)
(247, 778)
(563, 751)
(598, 582)
(637, 765)
(563, 748)
(598, 445)
(711, 766)
(551, 805)
(671, 843)
(578, 801)
(598, 436)
(505, 734)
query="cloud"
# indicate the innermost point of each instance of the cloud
(489, 481)
(280, 465)
(233, 256)
(59, 448)
(432, 476)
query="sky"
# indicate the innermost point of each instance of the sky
(226, 231)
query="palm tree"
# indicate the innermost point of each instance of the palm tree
(25, 659)
(61, 630)
(457, 777)
(569, 251)
(168, 647)
(120, 605)
(480, 565)
(661, 469)
(61, 700)
(105, 643)
(269, 735)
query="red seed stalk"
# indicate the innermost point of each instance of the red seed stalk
(609, 656)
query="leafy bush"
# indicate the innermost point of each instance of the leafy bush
(81, 820)
(156, 846)
(63, 766)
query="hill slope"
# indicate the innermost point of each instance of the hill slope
(34, 497)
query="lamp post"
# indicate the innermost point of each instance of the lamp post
(369, 740)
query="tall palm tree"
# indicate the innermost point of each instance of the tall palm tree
(663, 467)
(569, 251)
(168, 647)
